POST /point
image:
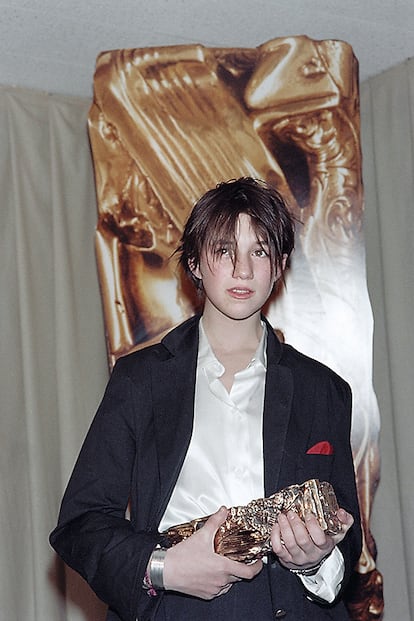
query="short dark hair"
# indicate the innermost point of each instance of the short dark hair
(214, 218)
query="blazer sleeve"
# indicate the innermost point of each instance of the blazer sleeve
(93, 535)
(345, 483)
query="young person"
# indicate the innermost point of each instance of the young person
(217, 414)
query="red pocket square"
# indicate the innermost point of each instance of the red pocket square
(321, 448)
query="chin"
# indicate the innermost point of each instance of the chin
(241, 316)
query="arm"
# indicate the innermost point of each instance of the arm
(93, 536)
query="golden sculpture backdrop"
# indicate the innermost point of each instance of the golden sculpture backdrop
(167, 124)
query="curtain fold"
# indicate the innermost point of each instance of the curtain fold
(54, 364)
(387, 120)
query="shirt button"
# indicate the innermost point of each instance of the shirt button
(280, 613)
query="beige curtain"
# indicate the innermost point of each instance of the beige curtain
(53, 362)
(53, 358)
(387, 116)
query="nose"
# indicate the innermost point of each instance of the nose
(243, 268)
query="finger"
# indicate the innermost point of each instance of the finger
(316, 533)
(303, 531)
(292, 530)
(300, 545)
(278, 544)
(225, 589)
(346, 518)
(347, 521)
(245, 572)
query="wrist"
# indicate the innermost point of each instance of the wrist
(309, 571)
(154, 576)
(156, 568)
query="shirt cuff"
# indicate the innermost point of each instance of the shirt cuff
(326, 583)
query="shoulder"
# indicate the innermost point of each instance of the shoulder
(313, 370)
(297, 359)
(179, 340)
(302, 367)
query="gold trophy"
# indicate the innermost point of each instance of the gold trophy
(245, 534)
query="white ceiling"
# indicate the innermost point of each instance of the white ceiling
(52, 45)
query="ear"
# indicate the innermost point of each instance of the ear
(195, 269)
(282, 268)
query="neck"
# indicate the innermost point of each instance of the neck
(227, 334)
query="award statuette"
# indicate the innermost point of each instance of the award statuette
(245, 534)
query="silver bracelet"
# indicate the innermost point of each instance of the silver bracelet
(310, 571)
(156, 568)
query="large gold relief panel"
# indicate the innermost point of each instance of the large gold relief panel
(167, 124)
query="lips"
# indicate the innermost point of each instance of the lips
(240, 292)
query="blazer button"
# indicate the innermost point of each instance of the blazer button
(280, 613)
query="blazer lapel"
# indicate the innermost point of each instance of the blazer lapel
(173, 396)
(276, 414)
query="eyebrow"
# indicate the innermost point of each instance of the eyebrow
(213, 245)
(222, 242)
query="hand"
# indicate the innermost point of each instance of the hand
(192, 566)
(302, 545)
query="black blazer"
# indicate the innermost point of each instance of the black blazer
(135, 448)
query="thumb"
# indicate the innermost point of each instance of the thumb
(345, 517)
(215, 520)
(347, 521)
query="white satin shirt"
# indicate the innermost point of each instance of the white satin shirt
(224, 462)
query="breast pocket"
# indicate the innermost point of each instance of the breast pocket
(315, 467)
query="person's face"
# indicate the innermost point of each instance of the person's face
(237, 281)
